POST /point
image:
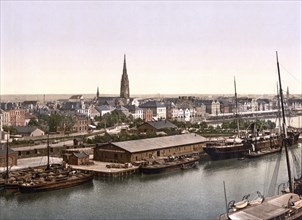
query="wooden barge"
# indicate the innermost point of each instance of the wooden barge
(169, 165)
(43, 179)
(58, 183)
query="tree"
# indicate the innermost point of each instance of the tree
(33, 123)
(9, 129)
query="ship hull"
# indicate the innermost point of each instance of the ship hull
(56, 185)
(168, 167)
(262, 153)
(227, 152)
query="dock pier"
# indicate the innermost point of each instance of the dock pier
(100, 169)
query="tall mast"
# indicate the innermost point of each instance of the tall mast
(48, 166)
(279, 113)
(284, 128)
(7, 157)
(236, 105)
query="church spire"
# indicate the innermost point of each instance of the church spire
(97, 93)
(125, 82)
(124, 67)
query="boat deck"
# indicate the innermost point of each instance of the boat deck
(271, 208)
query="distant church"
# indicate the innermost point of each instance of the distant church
(125, 94)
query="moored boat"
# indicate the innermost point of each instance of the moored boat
(168, 164)
(45, 178)
(226, 149)
(2, 183)
(285, 206)
(73, 178)
(254, 154)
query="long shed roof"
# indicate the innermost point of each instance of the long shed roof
(159, 142)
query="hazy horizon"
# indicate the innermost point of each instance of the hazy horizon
(171, 47)
(51, 97)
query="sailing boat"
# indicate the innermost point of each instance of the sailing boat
(229, 148)
(272, 142)
(251, 145)
(49, 177)
(285, 206)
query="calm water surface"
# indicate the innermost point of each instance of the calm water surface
(190, 194)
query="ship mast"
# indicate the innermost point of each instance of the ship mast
(284, 128)
(7, 158)
(279, 113)
(236, 105)
(48, 166)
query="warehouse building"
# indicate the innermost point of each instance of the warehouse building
(150, 148)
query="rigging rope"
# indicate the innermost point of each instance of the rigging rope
(266, 179)
(297, 162)
(273, 183)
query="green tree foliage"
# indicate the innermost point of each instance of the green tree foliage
(9, 129)
(55, 122)
(33, 123)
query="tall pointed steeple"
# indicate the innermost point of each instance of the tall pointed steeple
(97, 93)
(125, 82)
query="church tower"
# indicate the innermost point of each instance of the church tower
(97, 93)
(125, 82)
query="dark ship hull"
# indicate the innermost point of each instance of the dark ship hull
(225, 152)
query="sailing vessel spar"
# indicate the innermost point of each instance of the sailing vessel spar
(286, 206)
(250, 145)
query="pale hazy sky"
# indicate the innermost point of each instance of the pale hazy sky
(55, 47)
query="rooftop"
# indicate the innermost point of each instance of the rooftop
(159, 142)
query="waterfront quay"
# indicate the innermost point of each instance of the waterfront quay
(102, 169)
(108, 170)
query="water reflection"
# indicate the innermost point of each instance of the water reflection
(190, 194)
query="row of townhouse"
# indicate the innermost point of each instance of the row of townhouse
(184, 107)
(14, 117)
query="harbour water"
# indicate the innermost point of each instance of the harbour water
(190, 194)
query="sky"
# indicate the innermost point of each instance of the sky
(171, 47)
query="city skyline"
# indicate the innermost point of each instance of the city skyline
(171, 47)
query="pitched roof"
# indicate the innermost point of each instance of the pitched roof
(3, 150)
(122, 108)
(159, 142)
(71, 105)
(153, 104)
(30, 102)
(25, 129)
(81, 154)
(104, 108)
(76, 97)
(161, 124)
(132, 108)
